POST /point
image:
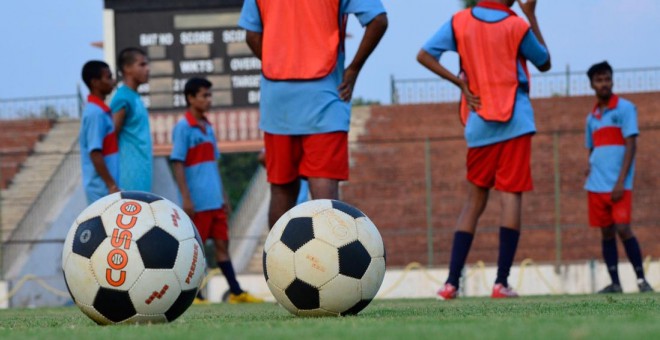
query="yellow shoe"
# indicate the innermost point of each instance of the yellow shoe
(199, 301)
(244, 297)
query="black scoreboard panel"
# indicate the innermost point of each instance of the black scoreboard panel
(185, 43)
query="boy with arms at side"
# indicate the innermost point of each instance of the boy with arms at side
(611, 137)
(494, 45)
(132, 122)
(194, 159)
(98, 141)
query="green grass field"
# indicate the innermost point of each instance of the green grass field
(630, 316)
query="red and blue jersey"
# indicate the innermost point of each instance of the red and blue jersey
(605, 136)
(194, 144)
(97, 133)
(478, 131)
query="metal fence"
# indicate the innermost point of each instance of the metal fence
(544, 85)
(50, 107)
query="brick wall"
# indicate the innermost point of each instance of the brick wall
(388, 182)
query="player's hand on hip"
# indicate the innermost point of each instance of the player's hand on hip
(528, 7)
(474, 102)
(348, 83)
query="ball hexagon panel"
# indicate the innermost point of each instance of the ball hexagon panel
(353, 260)
(316, 313)
(88, 236)
(335, 227)
(303, 295)
(67, 248)
(275, 233)
(190, 265)
(310, 208)
(116, 268)
(173, 220)
(114, 305)
(280, 263)
(182, 303)
(373, 278)
(98, 208)
(146, 319)
(297, 233)
(340, 294)
(78, 274)
(155, 291)
(128, 220)
(141, 196)
(94, 314)
(370, 237)
(158, 249)
(281, 298)
(316, 263)
(347, 209)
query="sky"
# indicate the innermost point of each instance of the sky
(45, 43)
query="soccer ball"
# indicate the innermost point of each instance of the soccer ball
(324, 257)
(133, 257)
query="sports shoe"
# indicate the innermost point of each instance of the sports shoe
(500, 292)
(200, 301)
(644, 286)
(244, 297)
(611, 289)
(448, 292)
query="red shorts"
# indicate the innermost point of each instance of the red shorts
(504, 165)
(323, 155)
(604, 213)
(213, 224)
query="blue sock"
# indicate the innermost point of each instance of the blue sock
(228, 271)
(508, 246)
(459, 252)
(634, 255)
(611, 257)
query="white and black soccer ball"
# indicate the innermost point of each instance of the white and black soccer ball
(324, 257)
(133, 257)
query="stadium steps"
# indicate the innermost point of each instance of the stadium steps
(34, 176)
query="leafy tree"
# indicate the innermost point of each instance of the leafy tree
(237, 170)
(469, 3)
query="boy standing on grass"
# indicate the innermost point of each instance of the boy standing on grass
(195, 158)
(494, 45)
(98, 141)
(132, 122)
(611, 137)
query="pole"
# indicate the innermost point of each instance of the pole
(558, 236)
(393, 94)
(568, 80)
(429, 221)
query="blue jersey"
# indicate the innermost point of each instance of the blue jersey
(605, 138)
(479, 132)
(307, 107)
(97, 133)
(135, 148)
(194, 144)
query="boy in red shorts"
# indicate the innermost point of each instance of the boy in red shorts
(611, 134)
(195, 163)
(494, 45)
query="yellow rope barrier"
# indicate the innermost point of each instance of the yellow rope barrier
(40, 282)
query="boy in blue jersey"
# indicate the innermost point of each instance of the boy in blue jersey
(611, 137)
(132, 122)
(195, 158)
(98, 141)
(494, 45)
(306, 91)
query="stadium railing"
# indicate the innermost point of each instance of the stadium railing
(544, 85)
(52, 107)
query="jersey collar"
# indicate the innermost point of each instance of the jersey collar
(193, 122)
(497, 6)
(98, 102)
(611, 105)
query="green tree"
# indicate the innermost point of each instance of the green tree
(469, 3)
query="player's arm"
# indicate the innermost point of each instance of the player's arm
(372, 35)
(180, 178)
(631, 149)
(254, 41)
(529, 8)
(431, 63)
(118, 119)
(100, 167)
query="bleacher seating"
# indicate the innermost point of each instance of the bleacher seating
(17, 140)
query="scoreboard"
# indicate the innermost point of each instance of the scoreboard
(184, 39)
